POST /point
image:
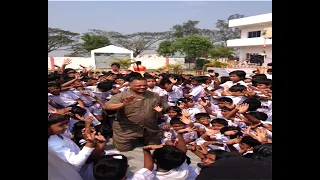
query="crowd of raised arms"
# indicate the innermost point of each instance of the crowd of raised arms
(224, 121)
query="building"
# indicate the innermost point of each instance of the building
(256, 36)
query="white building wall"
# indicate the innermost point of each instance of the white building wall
(255, 49)
(245, 30)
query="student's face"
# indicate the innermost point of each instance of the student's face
(71, 73)
(115, 68)
(262, 86)
(204, 120)
(223, 104)
(244, 146)
(54, 90)
(139, 86)
(58, 128)
(77, 83)
(210, 158)
(224, 112)
(167, 87)
(216, 126)
(195, 83)
(120, 81)
(151, 83)
(234, 78)
(172, 113)
(186, 91)
(190, 103)
(177, 127)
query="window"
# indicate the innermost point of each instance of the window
(248, 55)
(254, 34)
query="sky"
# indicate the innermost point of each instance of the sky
(144, 16)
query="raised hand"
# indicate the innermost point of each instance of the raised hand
(174, 81)
(78, 76)
(242, 108)
(202, 103)
(129, 99)
(185, 113)
(100, 138)
(89, 68)
(66, 61)
(185, 120)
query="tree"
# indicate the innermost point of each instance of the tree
(58, 39)
(224, 32)
(90, 42)
(220, 51)
(192, 46)
(165, 49)
(186, 29)
(125, 63)
(136, 42)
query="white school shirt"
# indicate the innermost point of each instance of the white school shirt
(101, 95)
(174, 95)
(183, 172)
(59, 169)
(157, 89)
(143, 174)
(228, 84)
(196, 92)
(193, 111)
(65, 99)
(87, 100)
(68, 151)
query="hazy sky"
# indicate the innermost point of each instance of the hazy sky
(139, 16)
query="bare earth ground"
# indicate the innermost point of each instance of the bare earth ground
(135, 158)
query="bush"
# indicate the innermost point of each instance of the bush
(217, 64)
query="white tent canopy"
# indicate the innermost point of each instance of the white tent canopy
(111, 49)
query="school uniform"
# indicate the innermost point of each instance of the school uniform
(183, 172)
(174, 95)
(70, 153)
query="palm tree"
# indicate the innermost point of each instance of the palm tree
(124, 62)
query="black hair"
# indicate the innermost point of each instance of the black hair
(111, 167)
(230, 128)
(201, 115)
(138, 63)
(259, 76)
(119, 77)
(77, 110)
(219, 121)
(225, 99)
(115, 64)
(210, 71)
(254, 104)
(224, 79)
(250, 141)
(259, 115)
(53, 77)
(66, 70)
(263, 151)
(221, 154)
(267, 82)
(169, 157)
(105, 86)
(216, 74)
(200, 79)
(183, 100)
(176, 120)
(77, 133)
(54, 84)
(174, 108)
(237, 88)
(269, 70)
(149, 77)
(56, 118)
(138, 78)
(241, 74)
(165, 81)
(225, 108)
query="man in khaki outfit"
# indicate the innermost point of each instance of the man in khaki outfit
(135, 118)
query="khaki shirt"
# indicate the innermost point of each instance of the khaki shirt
(132, 119)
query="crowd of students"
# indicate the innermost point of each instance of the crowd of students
(225, 121)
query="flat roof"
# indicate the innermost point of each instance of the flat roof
(252, 20)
